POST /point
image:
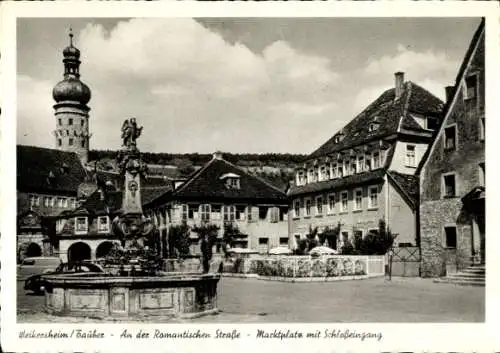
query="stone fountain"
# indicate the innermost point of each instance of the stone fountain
(134, 286)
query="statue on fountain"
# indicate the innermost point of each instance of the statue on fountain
(139, 239)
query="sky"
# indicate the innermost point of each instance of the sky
(239, 85)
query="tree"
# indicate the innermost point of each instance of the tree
(231, 234)
(331, 236)
(311, 237)
(377, 243)
(179, 238)
(207, 234)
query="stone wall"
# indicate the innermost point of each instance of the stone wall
(437, 212)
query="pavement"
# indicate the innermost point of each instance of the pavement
(371, 300)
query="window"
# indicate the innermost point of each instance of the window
(205, 212)
(482, 174)
(283, 241)
(353, 167)
(340, 169)
(471, 87)
(450, 138)
(274, 214)
(52, 201)
(59, 202)
(358, 199)
(315, 176)
(70, 142)
(81, 225)
(344, 201)
(319, 205)
(185, 212)
(482, 129)
(65, 203)
(263, 212)
(102, 224)
(333, 170)
(410, 156)
(263, 241)
(229, 213)
(310, 176)
(70, 121)
(296, 208)
(46, 201)
(308, 207)
(249, 214)
(376, 160)
(431, 123)
(82, 122)
(451, 237)
(373, 197)
(301, 179)
(373, 127)
(83, 143)
(368, 162)
(324, 173)
(331, 203)
(449, 185)
(361, 163)
(59, 142)
(59, 121)
(233, 183)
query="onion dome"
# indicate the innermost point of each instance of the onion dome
(71, 89)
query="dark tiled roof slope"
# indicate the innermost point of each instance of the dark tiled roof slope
(48, 170)
(408, 184)
(206, 183)
(339, 183)
(112, 201)
(388, 113)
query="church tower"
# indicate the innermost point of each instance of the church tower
(71, 110)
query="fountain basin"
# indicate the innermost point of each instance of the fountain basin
(182, 295)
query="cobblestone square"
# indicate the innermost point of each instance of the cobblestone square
(374, 300)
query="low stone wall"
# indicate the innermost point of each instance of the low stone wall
(306, 267)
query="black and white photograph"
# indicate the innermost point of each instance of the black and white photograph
(247, 170)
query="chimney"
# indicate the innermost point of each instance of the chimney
(399, 87)
(449, 92)
(217, 155)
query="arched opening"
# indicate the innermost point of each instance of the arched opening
(33, 249)
(103, 249)
(79, 251)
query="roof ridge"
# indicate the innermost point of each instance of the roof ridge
(195, 175)
(254, 176)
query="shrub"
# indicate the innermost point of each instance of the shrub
(179, 238)
(377, 243)
(347, 248)
(208, 237)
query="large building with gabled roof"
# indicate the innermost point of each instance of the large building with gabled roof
(220, 193)
(366, 171)
(452, 174)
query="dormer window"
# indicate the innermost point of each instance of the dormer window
(103, 224)
(339, 137)
(373, 126)
(232, 180)
(471, 87)
(301, 178)
(81, 225)
(431, 123)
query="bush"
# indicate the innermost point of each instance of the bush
(377, 243)
(179, 237)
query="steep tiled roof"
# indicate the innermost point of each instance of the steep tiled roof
(206, 183)
(408, 185)
(48, 170)
(112, 201)
(388, 113)
(339, 183)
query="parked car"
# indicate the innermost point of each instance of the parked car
(36, 283)
(36, 265)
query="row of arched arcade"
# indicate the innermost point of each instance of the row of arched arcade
(85, 250)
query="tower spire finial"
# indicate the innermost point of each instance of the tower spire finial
(70, 36)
